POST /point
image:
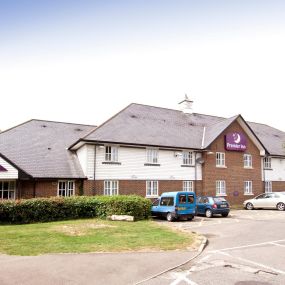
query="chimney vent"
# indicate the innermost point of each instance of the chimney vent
(186, 105)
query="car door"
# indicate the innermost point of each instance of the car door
(200, 205)
(154, 208)
(259, 201)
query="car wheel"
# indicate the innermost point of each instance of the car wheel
(225, 214)
(281, 206)
(169, 217)
(209, 213)
(249, 206)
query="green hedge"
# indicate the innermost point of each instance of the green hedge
(55, 209)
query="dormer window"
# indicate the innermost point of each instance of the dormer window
(111, 153)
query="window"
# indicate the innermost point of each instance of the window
(221, 188)
(65, 188)
(268, 186)
(111, 187)
(188, 158)
(7, 189)
(152, 188)
(167, 201)
(111, 153)
(188, 186)
(247, 161)
(267, 162)
(247, 187)
(152, 155)
(220, 159)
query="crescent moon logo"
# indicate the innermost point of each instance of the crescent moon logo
(237, 138)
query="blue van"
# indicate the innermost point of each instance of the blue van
(175, 205)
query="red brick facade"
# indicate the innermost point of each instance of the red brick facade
(234, 173)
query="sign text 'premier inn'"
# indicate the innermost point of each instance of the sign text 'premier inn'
(235, 141)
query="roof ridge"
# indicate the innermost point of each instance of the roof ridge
(14, 127)
(60, 122)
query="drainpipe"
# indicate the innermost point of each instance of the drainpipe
(263, 169)
(195, 182)
(94, 182)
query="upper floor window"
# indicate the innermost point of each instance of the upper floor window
(111, 187)
(152, 188)
(188, 158)
(268, 186)
(66, 188)
(220, 159)
(247, 187)
(111, 153)
(247, 160)
(188, 186)
(221, 188)
(152, 155)
(7, 189)
(267, 162)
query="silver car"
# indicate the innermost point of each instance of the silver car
(272, 200)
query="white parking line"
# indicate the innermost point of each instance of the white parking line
(254, 263)
(182, 277)
(246, 246)
(277, 244)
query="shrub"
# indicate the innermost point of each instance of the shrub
(58, 208)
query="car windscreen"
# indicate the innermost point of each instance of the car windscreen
(219, 199)
(167, 201)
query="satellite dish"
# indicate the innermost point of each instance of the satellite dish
(200, 160)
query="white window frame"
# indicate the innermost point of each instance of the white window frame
(247, 187)
(267, 162)
(221, 188)
(247, 160)
(220, 159)
(111, 153)
(69, 188)
(188, 185)
(188, 158)
(111, 187)
(152, 155)
(152, 188)
(268, 187)
(11, 189)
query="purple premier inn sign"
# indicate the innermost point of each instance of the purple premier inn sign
(235, 141)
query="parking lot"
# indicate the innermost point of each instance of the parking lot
(248, 247)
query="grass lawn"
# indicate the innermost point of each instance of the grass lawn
(91, 235)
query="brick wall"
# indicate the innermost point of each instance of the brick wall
(138, 187)
(234, 174)
(41, 188)
(278, 186)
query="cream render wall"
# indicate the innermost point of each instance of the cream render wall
(277, 171)
(11, 173)
(132, 166)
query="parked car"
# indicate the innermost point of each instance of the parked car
(209, 206)
(175, 205)
(274, 200)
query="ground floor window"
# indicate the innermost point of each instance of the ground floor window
(66, 188)
(152, 188)
(268, 186)
(188, 186)
(247, 187)
(7, 189)
(221, 188)
(111, 187)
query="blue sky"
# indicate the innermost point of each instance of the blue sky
(82, 61)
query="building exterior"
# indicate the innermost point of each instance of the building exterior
(143, 150)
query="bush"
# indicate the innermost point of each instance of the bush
(57, 208)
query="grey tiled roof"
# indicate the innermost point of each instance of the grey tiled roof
(148, 125)
(273, 139)
(40, 148)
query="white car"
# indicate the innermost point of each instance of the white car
(272, 200)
